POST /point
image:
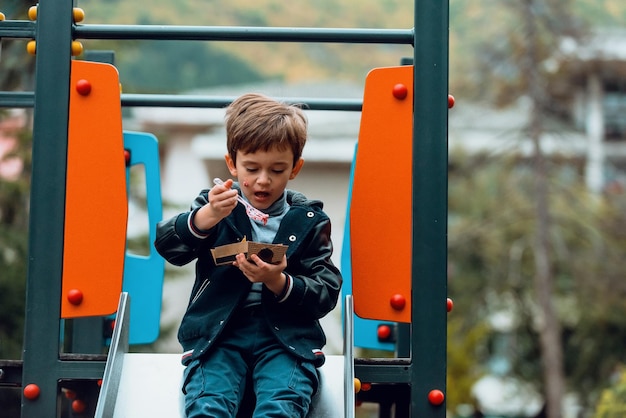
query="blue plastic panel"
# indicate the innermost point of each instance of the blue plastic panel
(143, 275)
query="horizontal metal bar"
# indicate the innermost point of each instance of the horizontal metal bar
(16, 99)
(88, 368)
(10, 373)
(27, 99)
(17, 29)
(27, 29)
(77, 369)
(382, 371)
(167, 100)
(252, 34)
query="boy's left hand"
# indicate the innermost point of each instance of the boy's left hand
(257, 270)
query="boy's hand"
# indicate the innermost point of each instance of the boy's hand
(257, 270)
(222, 201)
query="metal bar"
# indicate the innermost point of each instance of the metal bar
(11, 370)
(383, 372)
(10, 373)
(77, 369)
(430, 187)
(348, 357)
(17, 29)
(47, 213)
(27, 99)
(113, 371)
(165, 100)
(240, 34)
(17, 99)
(92, 369)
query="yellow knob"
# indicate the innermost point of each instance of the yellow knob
(32, 13)
(2, 16)
(31, 47)
(357, 385)
(79, 14)
(77, 48)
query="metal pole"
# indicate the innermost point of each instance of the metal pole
(47, 211)
(26, 99)
(430, 159)
(242, 33)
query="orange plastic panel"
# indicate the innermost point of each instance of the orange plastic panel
(380, 211)
(96, 208)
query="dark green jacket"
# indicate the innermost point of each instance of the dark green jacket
(219, 290)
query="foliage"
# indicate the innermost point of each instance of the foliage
(491, 270)
(13, 254)
(465, 343)
(612, 403)
(195, 66)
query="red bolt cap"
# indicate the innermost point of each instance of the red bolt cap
(436, 397)
(450, 101)
(127, 157)
(366, 386)
(31, 391)
(75, 297)
(383, 332)
(78, 406)
(398, 302)
(83, 87)
(450, 304)
(400, 91)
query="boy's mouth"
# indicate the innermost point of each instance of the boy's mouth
(261, 195)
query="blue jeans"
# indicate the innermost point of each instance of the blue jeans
(249, 354)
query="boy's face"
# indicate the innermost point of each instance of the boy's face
(263, 175)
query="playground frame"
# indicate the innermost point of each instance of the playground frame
(54, 30)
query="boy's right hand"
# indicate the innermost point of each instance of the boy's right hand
(222, 201)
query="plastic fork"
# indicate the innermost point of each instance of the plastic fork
(251, 211)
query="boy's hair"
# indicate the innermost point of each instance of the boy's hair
(257, 122)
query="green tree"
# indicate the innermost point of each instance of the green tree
(13, 254)
(182, 66)
(520, 57)
(612, 403)
(17, 68)
(491, 229)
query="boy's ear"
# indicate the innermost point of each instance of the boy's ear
(231, 165)
(296, 169)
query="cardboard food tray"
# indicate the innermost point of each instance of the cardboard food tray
(270, 253)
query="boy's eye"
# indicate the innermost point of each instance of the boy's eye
(274, 170)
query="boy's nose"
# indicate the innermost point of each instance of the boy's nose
(263, 178)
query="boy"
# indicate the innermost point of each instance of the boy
(255, 323)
